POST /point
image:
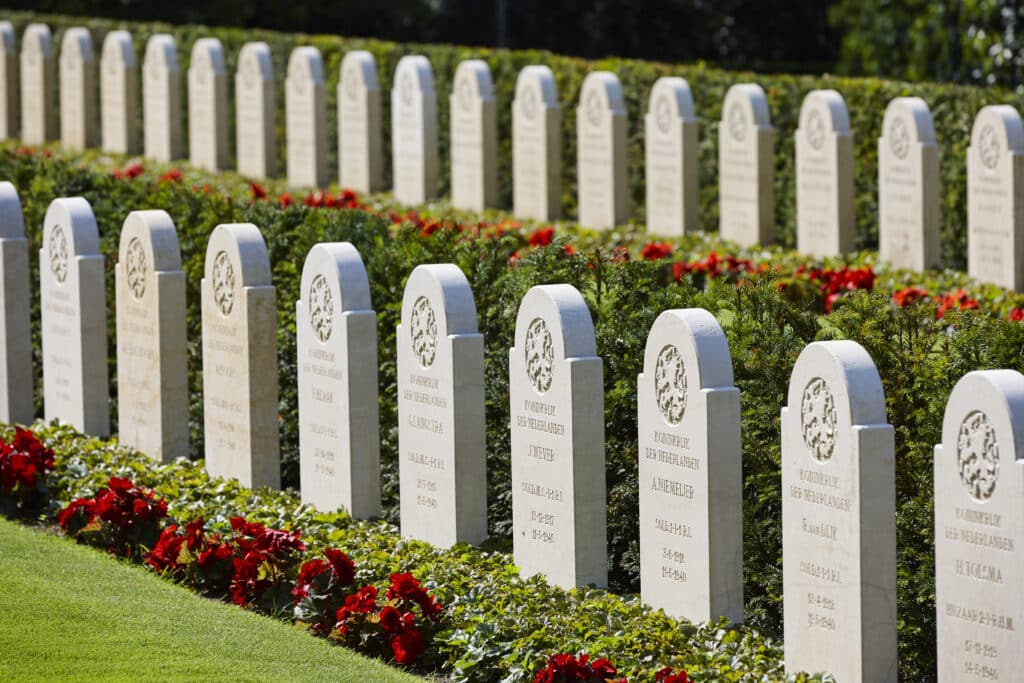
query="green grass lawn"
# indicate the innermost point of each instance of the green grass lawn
(68, 612)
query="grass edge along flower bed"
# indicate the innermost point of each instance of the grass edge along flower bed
(108, 496)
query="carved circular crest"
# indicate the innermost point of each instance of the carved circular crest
(58, 252)
(224, 281)
(540, 355)
(988, 146)
(465, 94)
(351, 84)
(736, 122)
(250, 72)
(405, 89)
(135, 268)
(815, 129)
(592, 107)
(977, 455)
(663, 113)
(297, 79)
(529, 104)
(670, 384)
(321, 308)
(818, 419)
(899, 137)
(423, 331)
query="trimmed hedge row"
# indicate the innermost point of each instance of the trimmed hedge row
(953, 107)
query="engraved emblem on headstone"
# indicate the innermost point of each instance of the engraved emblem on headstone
(815, 130)
(540, 355)
(663, 114)
(977, 455)
(405, 89)
(899, 138)
(593, 108)
(423, 331)
(58, 249)
(988, 147)
(250, 73)
(529, 103)
(818, 418)
(224, 283)
(298, 81)
(321, 308)
(670, 384)
(136, 268)
(737, 122)
(465, 95)
(352, 83)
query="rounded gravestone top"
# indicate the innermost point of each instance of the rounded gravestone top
(358, 72)
(76, 46)
(236, 257)
(437, 302)
(207, 59)
(8, 41)
(161, 56)
(69, 230)
(118, 52)
(413, 74)
(37, 41)
(670, 101)
(601, 95)
(822, 113)
(305, 66)
(745, 106)
(255, 64)
(472, 83)
(12, 221)
(535, 88)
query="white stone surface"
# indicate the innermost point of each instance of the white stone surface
(670, 159)
(746, 167)
(152, 366)
(536, 145)
(979, 529)
(73, 305)
(556, 397)
(442, 460)
(208, 106)
(79, 120)
(240, 358)
(38, 86)
(119, 95)
(15, 308)
(339, 429)
(9, 87)
(161, 99)
(838, 517)
(255, 112)
(474, 137)
(602, 176)
(360, 136)
(908, 186)
(414, 131)
(305, 100)
(690, 470)
(825, 224)
(995, 198)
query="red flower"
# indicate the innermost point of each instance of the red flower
(568, 249)
(909, 296)
(257, 191)
(390, 619)
(564, 668)
(343, 567)
(958, 300)
(132, 170)
(669, 675)
(309, 571)
(218, 552)
(542, 237)
(407, 646)
(172, 176)
(167, 550)
(285, 200)
(655, 251)
(1017, 314)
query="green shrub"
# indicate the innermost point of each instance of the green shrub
(952, 106)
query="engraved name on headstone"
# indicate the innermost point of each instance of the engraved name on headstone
(690, 470)
(38, 86)
(305, 100)
(536, 145)
(360, 137)
(670, 147)
(255, 112)
(240, 358)
(442, 460)
(119, 95)
(16, 400)
(746, 167)
(208, 106)
(556, 393)
(161, 99)
(152, 372)
(339, 430)
(474, 137)
(414, 131)
(602, 171)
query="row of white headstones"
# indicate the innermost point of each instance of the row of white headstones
(838, 470)
(908, 155)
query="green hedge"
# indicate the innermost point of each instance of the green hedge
(953, 107)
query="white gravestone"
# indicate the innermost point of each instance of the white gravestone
(825, 223)
(208, 106)
(908, 186)
(556, 394)
(442, 460)
(746, 167)
(305, 100)
(979, 529)
(536, 145)
(15, 329)
(838, 517)
(670, 144)
(690, 470)
(255, 112)
(152, 372)
(79, 123)
(414, 131)
(119, 94)
(161, 99)
(602, 178)
(38, 86)
(995, 198)
(240, 358)
(9, 88)
(360, 138)
(474, 137)
(73, 305)
(339, 430)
